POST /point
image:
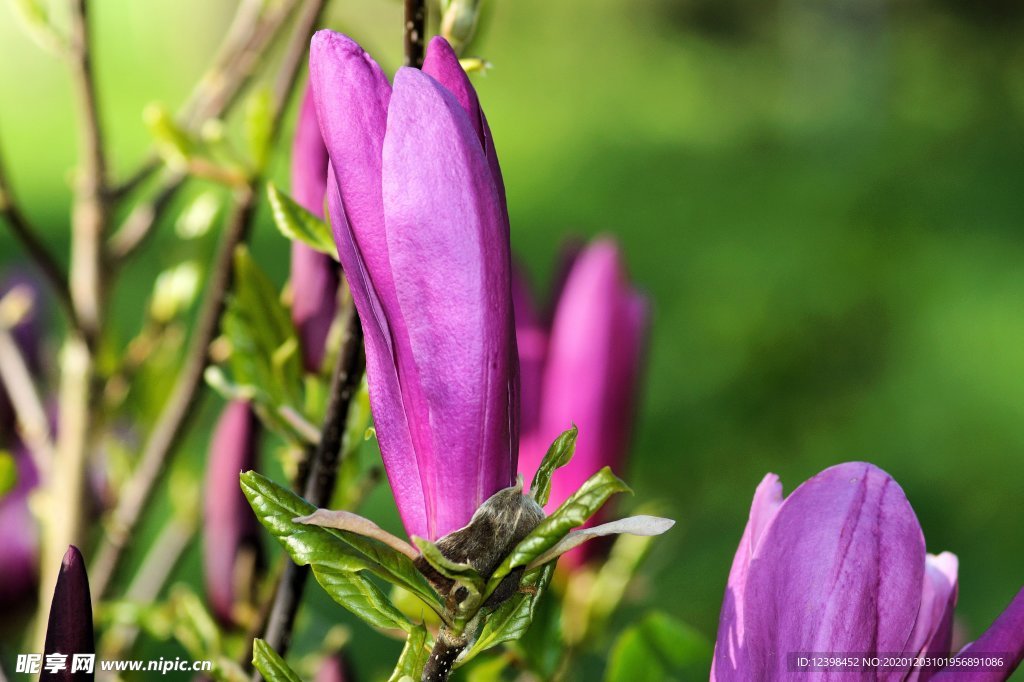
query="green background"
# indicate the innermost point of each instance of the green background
(822, 198)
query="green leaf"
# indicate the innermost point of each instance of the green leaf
(361, 597)
(659, 648)
(558, 455)
(174, 145)
(573, 512)
(414, 656)
(337, 556)
(258, 125)
(298, 224)
(510, 620)
(264, 345)
(8, 473)
(271, 666)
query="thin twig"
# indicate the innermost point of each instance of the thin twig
(92, 208)
(28, 406)
(37, 251)
(247, 40)
(415, 30)
(66, 485)
(164, 555)
(180, 407)
(319, 484)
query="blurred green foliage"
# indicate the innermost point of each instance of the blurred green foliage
(822, 198)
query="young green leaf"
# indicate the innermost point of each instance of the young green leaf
(361, 597)
(659, 648)
(558, 455)
(631, 525)
(271, 666)
(510, 620)
(298, 224)
(264, 346)
(573, 513)
(331, 550)
(414, 656)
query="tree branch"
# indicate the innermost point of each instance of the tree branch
(415, 31)
(180, 407)
(320, 478)
(37, 251)
(248, 37)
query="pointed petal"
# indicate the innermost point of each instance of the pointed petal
(1004, 638)
(443, 65)
(767, 500)
(933, 631)
(450, 255)
(389, 416)
(69, 630)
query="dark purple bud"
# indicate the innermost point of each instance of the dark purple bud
(315, 277)
(231, 548)
(69, 630)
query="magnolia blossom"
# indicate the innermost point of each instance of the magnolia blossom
(583, 368)
(314, 276)
(231, 531)
(839, 567)
(417, 206)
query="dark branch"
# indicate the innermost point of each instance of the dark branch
(37, 251)
(415, 31)
(180, 408)
(321, 475)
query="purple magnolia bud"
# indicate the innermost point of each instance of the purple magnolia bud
(334, 668)
(591, 368)
(19, 550)
(418, 211)
(69, 630)
(838, 566)
(314, 278)
(231, 531)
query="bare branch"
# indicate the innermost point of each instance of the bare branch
(415, 30)
(180, 407)
(28, 406)
(37, 251)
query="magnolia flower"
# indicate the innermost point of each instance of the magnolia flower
(334, 668)
(839, 567)
(314, 276)
(417, 206)
(69, 630)
(231, 549)
(584, 369)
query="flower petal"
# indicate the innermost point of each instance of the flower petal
(766, 503)
(933, 631)
(450, 257)
(1004, 638)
